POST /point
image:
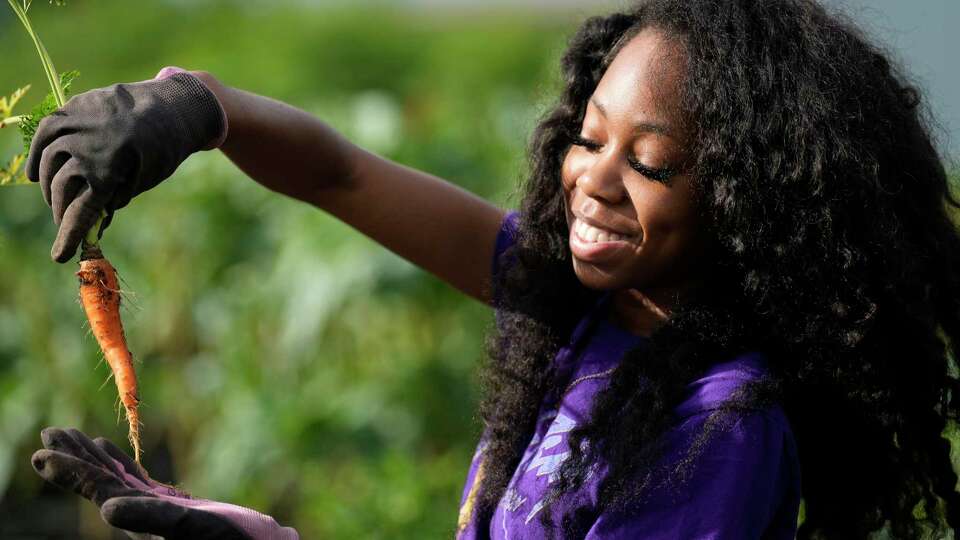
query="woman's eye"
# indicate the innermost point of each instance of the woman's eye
(590, 145)
(660, 175)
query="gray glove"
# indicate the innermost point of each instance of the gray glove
(108, 145)
(132, 501)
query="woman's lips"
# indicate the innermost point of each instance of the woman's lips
(591, 233)
(593, 244)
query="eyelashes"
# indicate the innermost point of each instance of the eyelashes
(662, 175)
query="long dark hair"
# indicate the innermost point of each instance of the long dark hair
(835, 256)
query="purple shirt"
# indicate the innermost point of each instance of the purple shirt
(746, 484)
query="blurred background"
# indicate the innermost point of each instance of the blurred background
(286, 362)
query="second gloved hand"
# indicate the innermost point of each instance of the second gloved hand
(132, 501)
(107, 145)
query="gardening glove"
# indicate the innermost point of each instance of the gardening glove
(130, 500)
(108, 145)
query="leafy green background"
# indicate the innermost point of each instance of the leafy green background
(287, 362)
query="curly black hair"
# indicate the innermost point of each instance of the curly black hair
(834, 253)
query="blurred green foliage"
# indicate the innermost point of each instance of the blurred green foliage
(287, 362)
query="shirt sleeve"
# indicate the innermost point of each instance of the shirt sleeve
(506, 237)
(745, 486)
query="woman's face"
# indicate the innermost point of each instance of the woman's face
(630, 225)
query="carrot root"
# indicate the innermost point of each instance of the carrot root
(100, 297)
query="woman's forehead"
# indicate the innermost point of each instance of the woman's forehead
(642, 83)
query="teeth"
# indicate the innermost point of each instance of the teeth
(593, 234)
(582, 229)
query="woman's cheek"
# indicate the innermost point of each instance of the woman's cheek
(671, 227)
(568, 174)
(568, 179)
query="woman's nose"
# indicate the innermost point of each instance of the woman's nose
(603, 178)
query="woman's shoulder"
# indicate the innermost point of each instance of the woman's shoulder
(741, 481)
(736, 475)
(723, 381)
(763, 422)
(746, 459)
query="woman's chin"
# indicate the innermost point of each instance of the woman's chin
(596, 278)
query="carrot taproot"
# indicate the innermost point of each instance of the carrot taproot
(100, 297)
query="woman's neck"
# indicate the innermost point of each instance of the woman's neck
(642, 312)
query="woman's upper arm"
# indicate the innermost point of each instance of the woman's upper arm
(434, 224)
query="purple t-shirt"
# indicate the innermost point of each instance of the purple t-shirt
(746, 483)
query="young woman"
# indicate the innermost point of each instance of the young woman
(732, 280)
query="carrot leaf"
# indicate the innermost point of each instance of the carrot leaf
(11, 175)
(8, 103)
(30, 123)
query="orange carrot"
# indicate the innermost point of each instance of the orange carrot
(100, 297)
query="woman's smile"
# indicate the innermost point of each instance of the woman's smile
(595, 244)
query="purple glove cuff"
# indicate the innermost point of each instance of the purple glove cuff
(173, 70)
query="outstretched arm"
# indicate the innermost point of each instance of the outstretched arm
(433, 223)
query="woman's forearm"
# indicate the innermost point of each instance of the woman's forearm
(284, 148)
(429, 221)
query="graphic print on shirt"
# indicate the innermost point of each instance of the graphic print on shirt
(528, 492)
(551, 452)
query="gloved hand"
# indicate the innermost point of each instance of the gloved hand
(107, 145)
(130, 500)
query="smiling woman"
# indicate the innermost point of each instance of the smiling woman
(803, 218)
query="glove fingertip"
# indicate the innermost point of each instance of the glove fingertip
(114, 511)
(77, 219)
(62, 253)
(48, 434)
(142, 514)
(58, 440)
(57, 468)
(39, 460)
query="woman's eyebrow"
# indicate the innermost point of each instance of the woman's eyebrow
(643, 126)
